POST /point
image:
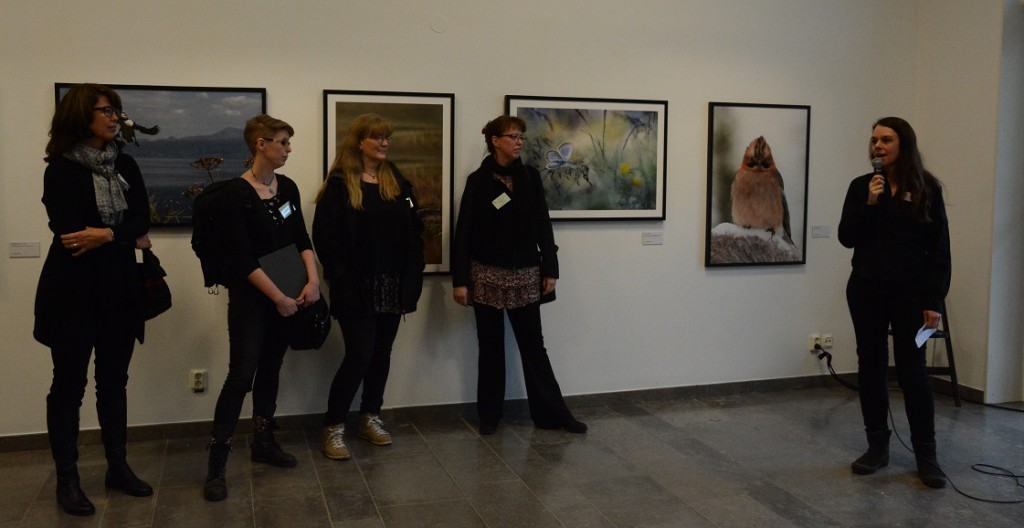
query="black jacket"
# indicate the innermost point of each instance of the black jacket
(250, 232)
(516, 235)
(334, 235)
(891, 246)
(75, 294)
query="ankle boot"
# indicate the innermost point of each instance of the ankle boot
(120, 476)
(216, 486)
(928, 469)
(71, 497)
(877, 455)
(264, 448)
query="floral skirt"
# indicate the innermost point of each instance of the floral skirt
(504, 287)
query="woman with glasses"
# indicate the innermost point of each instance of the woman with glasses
(89, 296)
(504, 261)
(262, 213)
(368, 235)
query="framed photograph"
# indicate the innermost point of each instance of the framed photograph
(422, 147)
(599, 159)
(757, 184)
(183, 138)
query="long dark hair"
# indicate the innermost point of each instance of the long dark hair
(908, 170)
(74, 115)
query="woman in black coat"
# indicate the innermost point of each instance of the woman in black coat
(262, 213)
(89, 296)
(504, 261)
(368, 235)
(895, 221)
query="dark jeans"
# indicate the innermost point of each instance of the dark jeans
(368, 341)
(547, 407)
(70, 371)
(259, 339)
(874, 306)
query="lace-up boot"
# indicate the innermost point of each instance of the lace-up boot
(371, 429)
(334, 442)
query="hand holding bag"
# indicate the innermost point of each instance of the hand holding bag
(310, 326)
(156, 295)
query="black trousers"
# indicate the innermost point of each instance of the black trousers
(368, 341)
(547, 407)
(113, 349)
(874, 306)
(258, 340)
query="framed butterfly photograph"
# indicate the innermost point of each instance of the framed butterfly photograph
(599, 159)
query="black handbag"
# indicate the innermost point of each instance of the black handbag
(310, 326)
(156, 295)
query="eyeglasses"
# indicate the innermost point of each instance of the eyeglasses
(107, 111)
(514, 137)
(284, 142)
(380, 139)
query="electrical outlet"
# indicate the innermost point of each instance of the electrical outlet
(197, 380)
(813, 339)
(826, 340)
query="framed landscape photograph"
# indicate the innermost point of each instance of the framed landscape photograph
(183, 138)
(599, 159)
(758, 156)
(421, 146)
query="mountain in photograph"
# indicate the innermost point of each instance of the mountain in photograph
(225, 143)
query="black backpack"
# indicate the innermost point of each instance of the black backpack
(207, 237)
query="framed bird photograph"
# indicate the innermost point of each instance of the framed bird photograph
(599, 159)
(421, 146)
(757, 184)
(183, 138)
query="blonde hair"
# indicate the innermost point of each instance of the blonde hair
(348, 164)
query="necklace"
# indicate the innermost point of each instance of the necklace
(370, 178)
(269, 187)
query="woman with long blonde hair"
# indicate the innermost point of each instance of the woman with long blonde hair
(367, 232)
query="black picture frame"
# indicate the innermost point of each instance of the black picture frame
(199, 140)
(761, 237)
(599, 159)
(423, 148)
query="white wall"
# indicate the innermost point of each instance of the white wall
(1006, 334)
(628, 316)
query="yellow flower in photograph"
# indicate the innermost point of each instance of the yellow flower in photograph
(624, 169)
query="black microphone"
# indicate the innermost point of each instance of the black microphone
(876, 164)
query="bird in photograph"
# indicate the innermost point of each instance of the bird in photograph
(758, 193)
(129, 127)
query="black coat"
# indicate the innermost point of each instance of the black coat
(78, 297)
(334, 236)
(516, 235)
(892, 247)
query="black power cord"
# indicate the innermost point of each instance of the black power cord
(986, 469)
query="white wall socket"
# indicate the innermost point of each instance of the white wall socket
(197, 380)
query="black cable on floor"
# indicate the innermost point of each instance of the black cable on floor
(986, 469)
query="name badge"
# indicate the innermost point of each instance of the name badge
(286, 209)
(500, 201)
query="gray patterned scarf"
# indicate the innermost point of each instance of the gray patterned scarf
(109, 185)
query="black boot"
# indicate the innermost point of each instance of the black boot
(264, 448)
(928, 469)
(71, 497)
(877, 455)
(216, 486)
(120, 476)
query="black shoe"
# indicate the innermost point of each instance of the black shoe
(877, 455)
(573, 425)
(264, 448)
(488, 428)
(124, 479)
(216, 487)
(928, 469)
(72, 499)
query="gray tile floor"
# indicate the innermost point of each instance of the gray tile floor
(756, 459)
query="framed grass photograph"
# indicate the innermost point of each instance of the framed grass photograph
(758, 156)
(421, 146)
(599, 159)
(183, 138)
